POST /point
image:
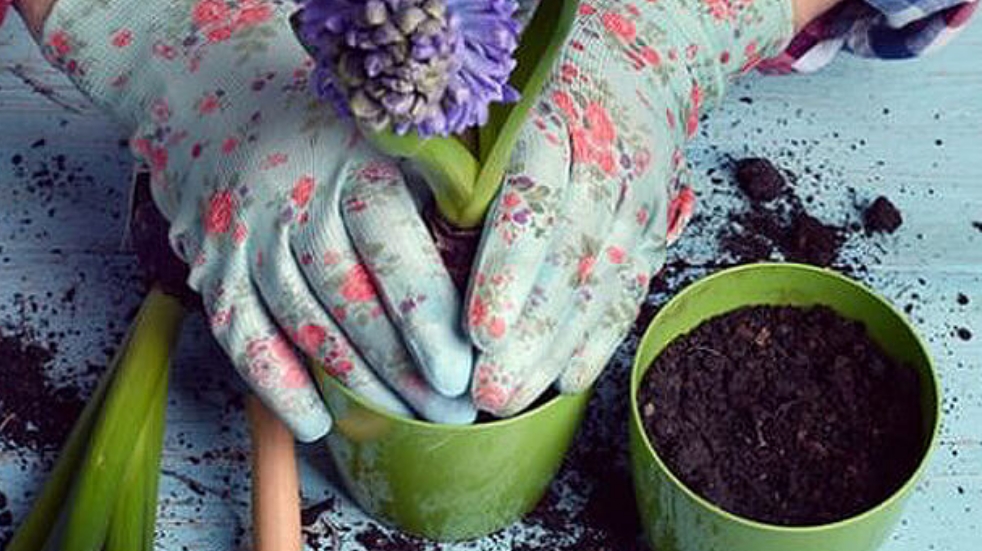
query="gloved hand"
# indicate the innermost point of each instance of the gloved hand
(598, 187)
(251, 172)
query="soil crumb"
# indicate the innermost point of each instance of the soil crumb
(759, 179)
(777, 223)
(882, 216)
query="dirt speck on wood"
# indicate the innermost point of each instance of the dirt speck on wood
(882, 216)
(34, 413)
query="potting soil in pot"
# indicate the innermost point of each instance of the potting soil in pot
(785, 415)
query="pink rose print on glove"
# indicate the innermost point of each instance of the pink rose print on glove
(695, 104)
(265, 356)
(303, 190)
(229, 145)
(337, 362)
(122, 38)
(488, 393)
(584, 269)
(593, 137)
(357, 286)
(752, 56)
(477, 313)
(310, 338)
(650, 56)
(219, 22)
(221, 207)
(679, 213)
(616, 255)
(294, 376)
(620, 26)
(208, 104)
(208, 12)
(60, 43)
(251, 14)
(721, 10)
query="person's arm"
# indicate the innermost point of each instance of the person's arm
(806, 11)
(883, 29)
(34, 12)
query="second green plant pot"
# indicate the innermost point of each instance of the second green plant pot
(448, 482)
(677, 519)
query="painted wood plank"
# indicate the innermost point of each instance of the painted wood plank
(907, 130)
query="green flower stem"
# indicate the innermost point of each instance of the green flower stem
(464, 187)
(151, 472)
(134, 515)
(450, 170)
(132, 518)
(141, 377)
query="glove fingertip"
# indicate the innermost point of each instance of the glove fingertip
(459, 411)
(312, 430)
(445, 356)
(492, 389)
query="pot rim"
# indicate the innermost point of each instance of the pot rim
(637, 370)
(472, 428)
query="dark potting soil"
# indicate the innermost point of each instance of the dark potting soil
(6, 522)
(34, 413)
(791, 416)
(457, 246)
(778, 222)
(882, 216)
(148, 231)
(759, 179)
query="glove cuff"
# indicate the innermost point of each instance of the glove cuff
(736, 35)
(104, 47)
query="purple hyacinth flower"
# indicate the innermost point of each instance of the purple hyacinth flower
(430, 66)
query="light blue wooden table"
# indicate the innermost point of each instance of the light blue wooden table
(911, 131)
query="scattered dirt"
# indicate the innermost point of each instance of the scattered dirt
(811, 241)
(34, 413)
(6, 522)
(777, 222)
(882, 216)
(457, 246)
(785, 415)
(759, 179)
(378, 539)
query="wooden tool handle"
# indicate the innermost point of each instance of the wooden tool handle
(275, 484)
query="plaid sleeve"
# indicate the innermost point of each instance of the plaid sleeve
(4, 4)
(885, 29)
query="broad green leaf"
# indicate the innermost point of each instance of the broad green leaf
(552, 21)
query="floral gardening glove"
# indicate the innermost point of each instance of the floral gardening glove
(252, 173)
(598, 187)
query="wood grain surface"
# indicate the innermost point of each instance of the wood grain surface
(911, 131)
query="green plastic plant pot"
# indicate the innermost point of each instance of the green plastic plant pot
(448, 482)
(677, 519)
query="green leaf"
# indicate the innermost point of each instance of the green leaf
(445, 163)
(142, 372)
(533, 46)
(542, 42)
(132, 523)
